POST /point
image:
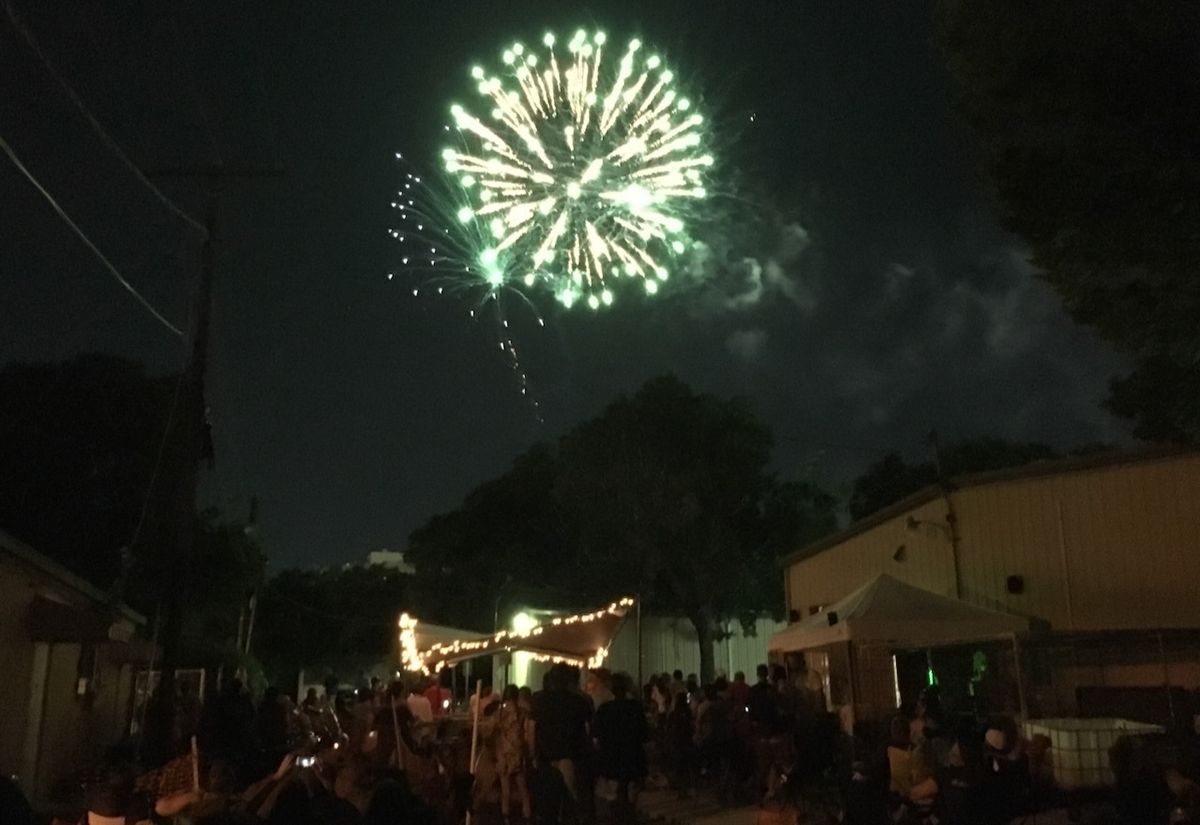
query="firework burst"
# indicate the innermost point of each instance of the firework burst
(581, 172)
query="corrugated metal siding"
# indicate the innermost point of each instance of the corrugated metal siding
(669, 644)
(928, 561)
(1125, 554)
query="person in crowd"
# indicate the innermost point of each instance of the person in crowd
(112, 798)
(763, 704)
(898, 750)
(681, 743)
(959, 797)
(227, 726)
(786, 697)
(484, 698)
(695, 694)
(677, 685)
(1140, 793)
(599, 687)
(509, 741)
(14, 807)
(715, 736)
(419, 704)
(1006, 781)
(392, 720)
(272, 725)
(660, 695)
(561, 717)
(362, 718)
(439, 698)
(621, 734)
(392, 802)
(739, 691)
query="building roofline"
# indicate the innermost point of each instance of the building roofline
(22, 551)
(1037, 469)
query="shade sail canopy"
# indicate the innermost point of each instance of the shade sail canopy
(580, 640)
(886, 610)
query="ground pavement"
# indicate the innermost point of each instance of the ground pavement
(665, 807)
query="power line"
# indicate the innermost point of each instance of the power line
(8, 150)
(105, 137)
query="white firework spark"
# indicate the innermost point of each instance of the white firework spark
(582, 173)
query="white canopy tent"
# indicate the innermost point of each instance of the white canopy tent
(887, 610)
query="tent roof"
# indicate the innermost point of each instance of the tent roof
(886, 610)
(581, 639)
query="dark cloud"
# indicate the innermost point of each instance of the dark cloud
(873, 299)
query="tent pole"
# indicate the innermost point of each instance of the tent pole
(474, 739)
(1017, 672)
(639, 641)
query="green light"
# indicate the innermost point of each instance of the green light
(577, 209)
(523, 622)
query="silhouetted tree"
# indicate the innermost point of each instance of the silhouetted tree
(891, 479)
(1089, 119)
(666, 494)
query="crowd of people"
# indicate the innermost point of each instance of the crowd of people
(578, 751)
(776, 741)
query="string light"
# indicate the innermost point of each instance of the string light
(507, 641)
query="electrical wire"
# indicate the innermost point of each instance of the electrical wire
(105, 137)
(12, 155)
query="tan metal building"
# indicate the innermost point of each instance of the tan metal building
(69, 657)
(1101, 553)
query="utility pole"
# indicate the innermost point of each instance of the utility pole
(192, 442)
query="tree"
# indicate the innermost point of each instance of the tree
(337, 620)
(891, 479)
(1089, 118)
(472, 559)
(666, 495)
(887, 481)
(78, 444)
(79, 447)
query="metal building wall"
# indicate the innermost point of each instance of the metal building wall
(669, 644)
(1107, 547)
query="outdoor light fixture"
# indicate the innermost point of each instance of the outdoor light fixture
(523, 622)
(914, 524)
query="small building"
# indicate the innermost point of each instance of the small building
(69, 658)
(391, 559)
(1100, 555)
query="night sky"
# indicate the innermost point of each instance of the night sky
(883, 301)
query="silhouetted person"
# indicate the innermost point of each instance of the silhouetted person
(621, 732)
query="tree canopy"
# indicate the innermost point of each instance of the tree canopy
(891, 479)
(1089, 119)
(667, 494)
(78, 444)
(338, 620)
